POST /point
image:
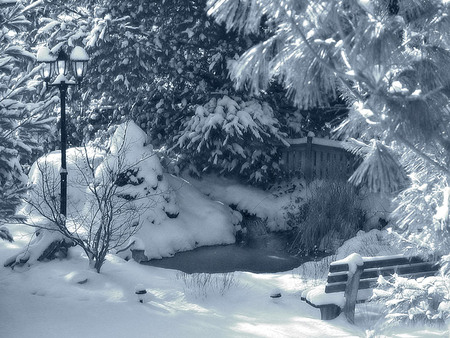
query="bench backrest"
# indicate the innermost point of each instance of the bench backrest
(373, 267)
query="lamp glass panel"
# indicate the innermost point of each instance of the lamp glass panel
(61, 67)
(79, 68)
(46, 70)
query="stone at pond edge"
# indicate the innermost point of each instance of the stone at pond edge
(139, 255)
(141, 292)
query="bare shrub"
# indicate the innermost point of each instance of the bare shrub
(315, 272)
(202, 285)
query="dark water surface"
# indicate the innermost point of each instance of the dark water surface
(229, 258)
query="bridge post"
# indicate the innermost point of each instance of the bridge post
(309, 158)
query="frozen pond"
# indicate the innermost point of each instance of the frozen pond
(229, 258)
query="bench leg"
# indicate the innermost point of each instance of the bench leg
(330, 311)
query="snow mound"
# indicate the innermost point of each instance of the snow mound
(246, 199)
(201, 221)
(141, 178)
(171, 216)
(368, 244)
(44, 178)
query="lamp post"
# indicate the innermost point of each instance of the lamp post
(57, 68)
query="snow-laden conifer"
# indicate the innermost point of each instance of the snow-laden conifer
(389, 61)
(22, 119)
(233, 137)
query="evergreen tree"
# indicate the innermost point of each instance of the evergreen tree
(388, 59)
(154, 62)
(22, 121)
(234, 137)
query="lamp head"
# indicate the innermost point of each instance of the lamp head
(79, 59)
(47, 59)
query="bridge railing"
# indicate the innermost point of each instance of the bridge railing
(317, 158)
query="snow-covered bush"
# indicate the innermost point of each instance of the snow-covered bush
(231, 136)
(423, 300)
(331, 214)
(422, 215)
(110, 195)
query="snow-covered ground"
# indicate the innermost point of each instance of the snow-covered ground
(245, 198)
(53, 299)
(63, 298)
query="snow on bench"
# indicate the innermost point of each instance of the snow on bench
(352, 279)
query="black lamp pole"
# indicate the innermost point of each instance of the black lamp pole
(63, 205)
(59, 65)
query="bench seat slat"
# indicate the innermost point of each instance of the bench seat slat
(371, 283)
(375, 263)
(386, 271)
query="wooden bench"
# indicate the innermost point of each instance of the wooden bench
(341, 291)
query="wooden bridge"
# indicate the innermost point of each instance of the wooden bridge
(317, 158)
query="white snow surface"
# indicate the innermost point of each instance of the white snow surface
(79, 54)
(63, 298)
(201, 221)
(252, 200)
(44, 54)
(316, 140)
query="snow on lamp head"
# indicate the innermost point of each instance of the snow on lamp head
(59, 65)
(79, 59)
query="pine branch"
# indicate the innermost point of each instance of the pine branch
(342, 76)
(421, 154)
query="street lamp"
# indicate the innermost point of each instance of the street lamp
(56, 68)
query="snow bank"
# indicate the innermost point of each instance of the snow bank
(200, 222)
(141, 178)
(318, 296)
(367, 244)
(247, 199)
(44, 178)
(37, 301)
